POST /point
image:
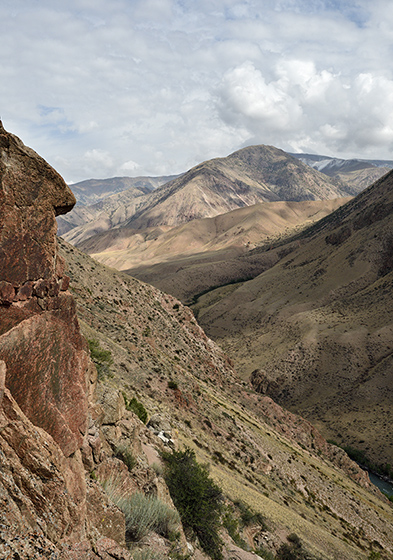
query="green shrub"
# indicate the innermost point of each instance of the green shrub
(231, 524)
(265, 554)
(293, 550)
(143, 514)
(101, 358)
(249, 517)
(125, 454)
(172, 385)
(137, 407)
(197, 498)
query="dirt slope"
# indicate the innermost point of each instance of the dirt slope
(235, 232)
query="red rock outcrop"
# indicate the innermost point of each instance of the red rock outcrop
(45, 378)
(45, 354)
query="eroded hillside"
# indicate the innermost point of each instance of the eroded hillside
(317, 325)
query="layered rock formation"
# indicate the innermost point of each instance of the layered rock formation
(47, 432)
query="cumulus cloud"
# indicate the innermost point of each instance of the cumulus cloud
(154, 87)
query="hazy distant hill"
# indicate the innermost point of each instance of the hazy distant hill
(93, 190)
(317, 324)
(105, 201)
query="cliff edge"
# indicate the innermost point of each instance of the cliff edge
(49, 508)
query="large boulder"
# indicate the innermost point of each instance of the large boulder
(32, 194)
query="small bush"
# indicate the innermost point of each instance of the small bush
(265, 554)
(293, 550)
(137, 407)
(232, 526)
(249, 517)
(101, 358)
(197, 498)
(125, 454)
(172, 385)
(143, 514)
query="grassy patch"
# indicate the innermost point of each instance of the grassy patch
(101, 358)
(143, 514)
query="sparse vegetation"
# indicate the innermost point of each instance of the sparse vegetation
(265, 554)
(101, 358)
(249, 517)
(293, 550)
(143, 514)
(147, 554)
(237, 517)
(197, 498)
(125, 454)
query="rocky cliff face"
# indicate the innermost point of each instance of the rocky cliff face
(43, 351)
(50, 434)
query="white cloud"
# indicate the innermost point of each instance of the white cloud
(129, 166)
(155, 86)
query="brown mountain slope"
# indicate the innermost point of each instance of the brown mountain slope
(86, 221)
(195, 256)
(246, 177)
(360, 179)
(318, 325)
(270, 459)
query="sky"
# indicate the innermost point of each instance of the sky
(104, 88)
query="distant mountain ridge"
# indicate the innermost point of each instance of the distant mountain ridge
(246, 177)
(114, 199)
(356, 173)
(330, 164)
(91, 191)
